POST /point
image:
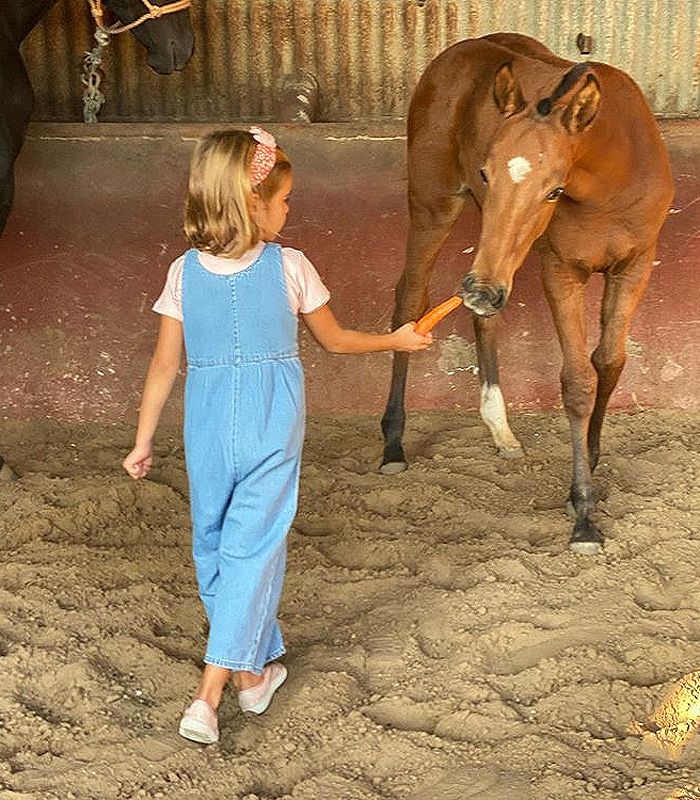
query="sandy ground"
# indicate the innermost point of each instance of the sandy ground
(443, 643)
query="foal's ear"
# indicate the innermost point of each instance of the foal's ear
(583, 106)
(506, 90)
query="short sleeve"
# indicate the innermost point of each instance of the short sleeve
(307, 292)
(170, 301)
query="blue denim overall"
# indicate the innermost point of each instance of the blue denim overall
(244, 429)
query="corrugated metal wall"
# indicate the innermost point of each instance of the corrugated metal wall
(365, 54)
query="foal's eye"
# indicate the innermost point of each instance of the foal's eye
(484, 177)
(555, 193)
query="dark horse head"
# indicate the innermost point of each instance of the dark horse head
(168, 38)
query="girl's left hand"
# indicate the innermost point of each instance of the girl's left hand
(139, 461)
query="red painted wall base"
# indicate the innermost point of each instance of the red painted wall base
(97, 221)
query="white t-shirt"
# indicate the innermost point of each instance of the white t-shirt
(305, 289)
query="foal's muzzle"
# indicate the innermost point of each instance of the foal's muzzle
(482, 298)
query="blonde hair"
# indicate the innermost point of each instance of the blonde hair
(218, 208)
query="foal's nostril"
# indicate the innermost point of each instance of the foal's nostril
(499, 298)
(483, 298)
(468, 282)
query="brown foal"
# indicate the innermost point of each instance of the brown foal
(564, 156)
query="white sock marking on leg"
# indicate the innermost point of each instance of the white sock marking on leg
(493, 412)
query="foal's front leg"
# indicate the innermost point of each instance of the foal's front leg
(493, 408)
(564, 290)
(431, 220)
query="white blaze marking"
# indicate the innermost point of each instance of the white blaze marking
(519, 168)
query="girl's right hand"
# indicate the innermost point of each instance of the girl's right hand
(408, 340)
(139, 461)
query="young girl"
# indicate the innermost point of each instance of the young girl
(233, 301)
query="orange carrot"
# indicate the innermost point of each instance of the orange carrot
(431, 318)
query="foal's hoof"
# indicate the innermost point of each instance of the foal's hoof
(511, 453)
(393, 460)
(586, 539)
(393, 467)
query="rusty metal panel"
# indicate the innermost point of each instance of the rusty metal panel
(366, 54)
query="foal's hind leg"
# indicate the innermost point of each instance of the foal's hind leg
(623, 291)
(6, 474)
(564, 289)
(493, 409)
(431, 220)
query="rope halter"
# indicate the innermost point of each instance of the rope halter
(153, 12)
(92, 73)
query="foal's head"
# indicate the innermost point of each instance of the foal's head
(525, 175)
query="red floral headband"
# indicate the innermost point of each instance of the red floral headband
(264, 156)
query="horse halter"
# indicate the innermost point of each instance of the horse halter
(153, 12)
(91, 77)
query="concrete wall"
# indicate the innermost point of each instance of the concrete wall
(97, 221)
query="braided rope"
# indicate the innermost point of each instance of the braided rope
(93, 99)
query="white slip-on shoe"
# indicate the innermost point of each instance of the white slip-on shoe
(199, 723)
(257, 698)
